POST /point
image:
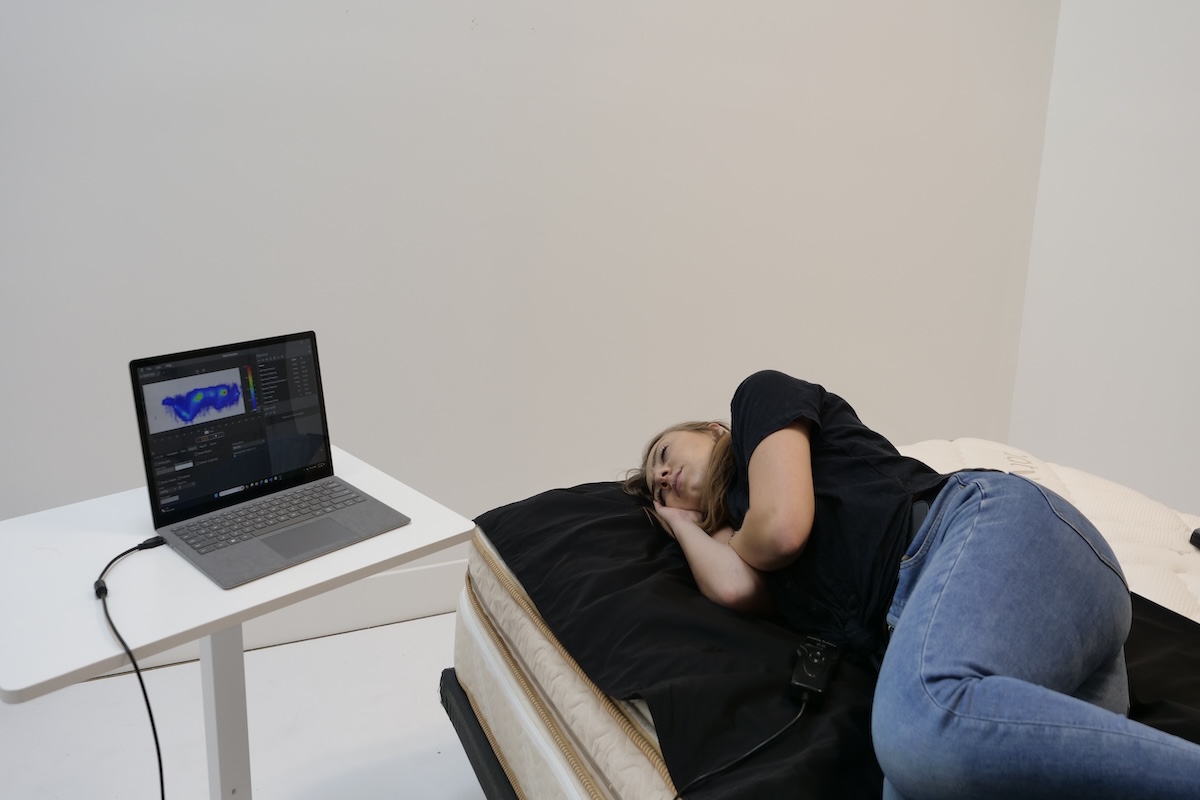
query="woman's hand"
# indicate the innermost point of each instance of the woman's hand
(672, 518)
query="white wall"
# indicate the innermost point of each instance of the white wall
(528, 237)
(1109, 368)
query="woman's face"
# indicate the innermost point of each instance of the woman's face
(677, 468)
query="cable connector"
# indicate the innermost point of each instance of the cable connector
(101, 590)
(815, 662)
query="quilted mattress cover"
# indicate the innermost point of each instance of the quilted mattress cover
(557, 735)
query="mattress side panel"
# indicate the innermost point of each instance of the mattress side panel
(525, 750)
(609, 741)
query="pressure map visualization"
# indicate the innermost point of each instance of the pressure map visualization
(196, 402)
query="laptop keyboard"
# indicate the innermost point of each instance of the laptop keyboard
(263, 516)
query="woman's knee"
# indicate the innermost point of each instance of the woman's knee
(924, 745)
(909, 758)
(904, 726)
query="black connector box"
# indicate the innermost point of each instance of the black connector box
(815, 662)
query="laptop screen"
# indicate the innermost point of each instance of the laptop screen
(227, 424)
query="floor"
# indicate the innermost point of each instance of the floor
(350, 716)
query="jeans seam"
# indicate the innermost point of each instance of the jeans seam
(1072, 726)
(1115, 569)
(983, 496)
(937, 606)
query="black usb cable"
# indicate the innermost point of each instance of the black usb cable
(701, 778)
(816, 660)
(101, 590)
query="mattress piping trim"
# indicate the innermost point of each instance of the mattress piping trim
(628, 727)
(487, 732)
(551, 725)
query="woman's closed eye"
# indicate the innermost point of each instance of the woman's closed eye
(662, 459)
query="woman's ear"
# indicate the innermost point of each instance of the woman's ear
(718, 429)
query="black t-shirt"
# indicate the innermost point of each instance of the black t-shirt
(842, 583)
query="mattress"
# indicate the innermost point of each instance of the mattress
(554, 734)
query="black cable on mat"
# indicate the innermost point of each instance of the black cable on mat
(692, 785)
(101, 590)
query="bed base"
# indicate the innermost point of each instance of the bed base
(492, 779)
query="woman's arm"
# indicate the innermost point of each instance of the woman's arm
(782, 503)
(721, 575)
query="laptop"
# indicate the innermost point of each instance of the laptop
(238, 463)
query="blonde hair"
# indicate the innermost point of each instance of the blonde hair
(714, 510)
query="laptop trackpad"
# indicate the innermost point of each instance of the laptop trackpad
(316, 535)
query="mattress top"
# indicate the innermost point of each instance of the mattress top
(1151, 541)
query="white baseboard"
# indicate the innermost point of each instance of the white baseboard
(393, 596)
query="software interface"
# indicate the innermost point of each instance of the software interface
(220, 425)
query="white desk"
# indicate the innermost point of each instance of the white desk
(53, 629)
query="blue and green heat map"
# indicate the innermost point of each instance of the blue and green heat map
(186, 407)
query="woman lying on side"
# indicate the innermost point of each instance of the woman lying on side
(1003, 613)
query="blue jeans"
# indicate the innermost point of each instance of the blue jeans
(1005, 675)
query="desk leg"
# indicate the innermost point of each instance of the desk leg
(223, 675)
